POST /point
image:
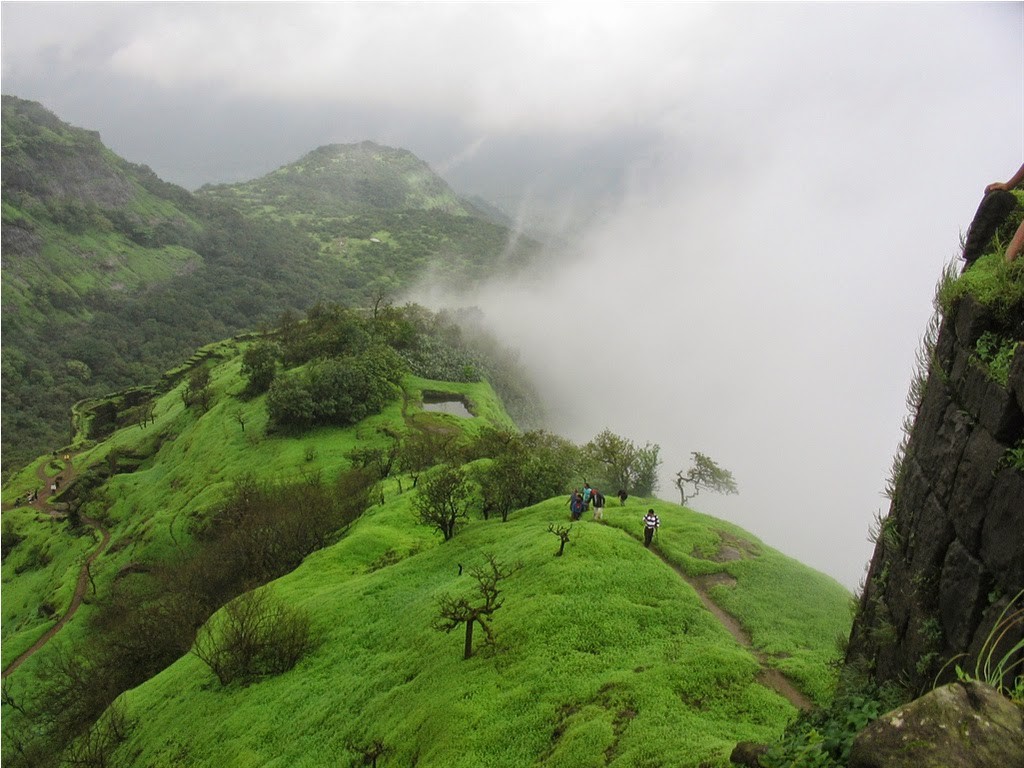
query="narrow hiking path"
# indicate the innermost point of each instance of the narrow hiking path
(768, 676)
(42, 503)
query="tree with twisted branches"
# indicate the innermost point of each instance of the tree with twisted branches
(469, 611)
(704, 474)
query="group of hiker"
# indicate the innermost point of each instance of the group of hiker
(581, 501)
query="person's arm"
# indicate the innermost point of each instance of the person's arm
(1013, 182)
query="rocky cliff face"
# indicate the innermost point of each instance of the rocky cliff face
(949, 558)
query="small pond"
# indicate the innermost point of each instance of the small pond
(446, 402)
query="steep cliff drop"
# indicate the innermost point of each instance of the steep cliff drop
(946, 583)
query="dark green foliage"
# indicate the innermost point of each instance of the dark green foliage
(704, 474)
(365, 351)
(150, 619)
(265, 530)
(621, 464)
(330, 330)
(9, 539)
(995, 353)
(379, 460)
(197, 388)
(525, 469)
(290, 402)
(113, 276)
(822, 738)
(335, 391)
(259, 365)
(443, 499)
(422, 449)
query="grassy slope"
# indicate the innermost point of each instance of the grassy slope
(192, 462)
(606, 656)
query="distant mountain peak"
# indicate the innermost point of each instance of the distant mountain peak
(343, 179)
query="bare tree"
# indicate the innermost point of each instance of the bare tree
(422, 449)
(371, 752)
(257, 634)
(563, 533)
(704, 474)
(479, 609)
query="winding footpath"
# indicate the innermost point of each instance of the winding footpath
(768, 676)
(42, 503)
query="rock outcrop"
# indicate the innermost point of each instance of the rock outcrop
(960, 725)
(949, 559)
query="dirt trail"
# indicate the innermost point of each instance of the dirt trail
(768, 676)
(42, 504)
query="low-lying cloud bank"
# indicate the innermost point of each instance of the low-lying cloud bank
(770, 323)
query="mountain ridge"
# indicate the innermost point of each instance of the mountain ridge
(338, 179)
(112, 275)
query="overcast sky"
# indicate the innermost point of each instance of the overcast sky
(771, 192)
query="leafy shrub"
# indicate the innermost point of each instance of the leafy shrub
(995, 352)
(259, 365)
(1014, 457)
(525, 470)
(823, 738)
(337, 391)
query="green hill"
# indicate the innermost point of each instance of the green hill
(603, 656)
(111, 276)
(381, 214)
(344, 179)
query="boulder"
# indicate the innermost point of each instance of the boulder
(960, 725)
(748, 753)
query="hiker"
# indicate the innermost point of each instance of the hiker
(1017, 243)
(622, 496)
(575, 504)
(586, 496)
(651, 524)
(598, 498)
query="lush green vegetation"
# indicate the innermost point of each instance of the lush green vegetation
(990, 279)
(111, 276)
(823, 738)
(601, 656)
(381, 215)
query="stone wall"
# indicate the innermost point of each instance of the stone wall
(950, 556)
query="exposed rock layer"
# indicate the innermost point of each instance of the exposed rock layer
(950, 557)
